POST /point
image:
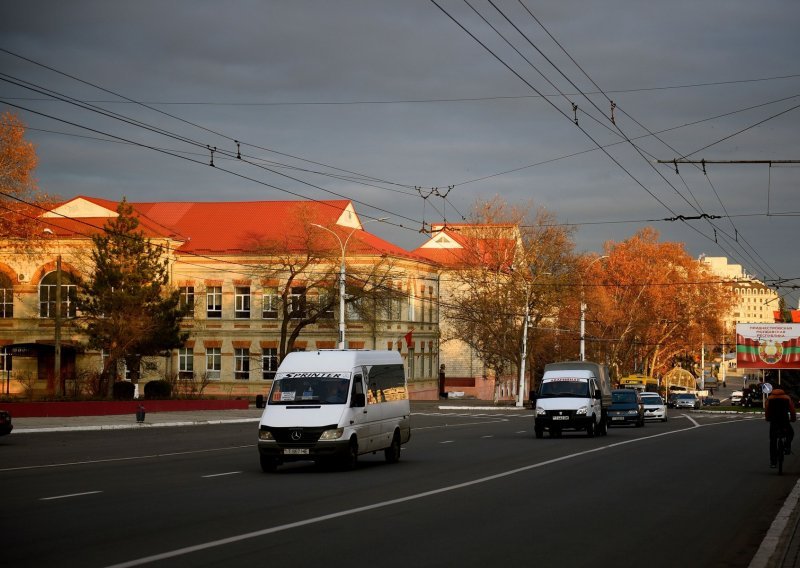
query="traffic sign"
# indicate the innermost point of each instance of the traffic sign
(766, 388)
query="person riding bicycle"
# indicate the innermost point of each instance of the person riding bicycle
(779, 412)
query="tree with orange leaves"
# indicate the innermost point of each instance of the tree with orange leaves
(19, 193)
(650, 301)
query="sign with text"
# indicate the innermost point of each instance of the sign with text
(768, 345)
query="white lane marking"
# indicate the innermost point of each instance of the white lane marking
(381, 504)
(69, 495)
(521, 432)
(487, 436)
(447, 442)
(692, 420)
(144, 457)
(220, 474)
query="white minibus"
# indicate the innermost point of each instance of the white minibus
(334, 405)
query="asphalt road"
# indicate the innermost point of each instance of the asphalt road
(473, 488)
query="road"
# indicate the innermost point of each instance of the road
(473, 488)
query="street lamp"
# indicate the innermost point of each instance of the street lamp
(343, 246)
(583, 309)
(57, 338)
(521, 393)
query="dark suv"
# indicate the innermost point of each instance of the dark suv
(626, 408)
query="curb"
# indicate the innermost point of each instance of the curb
(133, 426)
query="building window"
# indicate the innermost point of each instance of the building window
(242, 302)
(214, 302)
(269, 363)
(47, 296)
(5, 361)
(269, 303)
(326, 303)
(241, 359)
(187, 299)
(6, 297)
(213, 362)
(185, 363)
(297, 302)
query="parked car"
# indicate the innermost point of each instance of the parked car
(736, 398)
(711, 401)
(687, 400)
(654, 406)
(5, 423)
(626, 408)
(671, 400)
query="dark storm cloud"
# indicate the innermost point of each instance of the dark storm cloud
(314, 51)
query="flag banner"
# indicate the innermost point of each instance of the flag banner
(768, 346)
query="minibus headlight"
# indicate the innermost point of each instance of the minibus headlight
(581, 411)
(540, 411)
(332, 434)
(265, 435)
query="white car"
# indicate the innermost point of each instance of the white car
(736, 397)
(654, 407)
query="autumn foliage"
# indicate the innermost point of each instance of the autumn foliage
(650, 302)
(19, 193)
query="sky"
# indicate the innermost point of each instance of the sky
(415, 110)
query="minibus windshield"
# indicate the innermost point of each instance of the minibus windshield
(306, 387)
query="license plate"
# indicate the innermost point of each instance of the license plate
(617, 418)
(560, 417)
(295, 451)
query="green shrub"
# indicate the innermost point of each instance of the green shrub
(158, 389)
(122, 390)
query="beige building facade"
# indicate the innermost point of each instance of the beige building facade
(232, 285)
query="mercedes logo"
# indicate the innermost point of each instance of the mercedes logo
(296, 435)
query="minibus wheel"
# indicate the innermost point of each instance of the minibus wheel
(392, 453)
(268, 464)
(350, 459)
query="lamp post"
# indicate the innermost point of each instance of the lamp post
(521, 393)
(343, 246)
(57, 333)
(583, 309)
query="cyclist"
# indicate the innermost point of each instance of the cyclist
(779, 412)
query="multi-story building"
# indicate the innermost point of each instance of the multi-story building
(230, 261)
(454, 247)
(755, 301)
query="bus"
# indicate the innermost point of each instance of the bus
(641, 383)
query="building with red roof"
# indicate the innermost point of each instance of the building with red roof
(460, 247)
(237, 264)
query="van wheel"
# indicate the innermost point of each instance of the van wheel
(539, 432)
(590, 429)
(602, 428)
(392, 453)
(350, 459)
(268, 464)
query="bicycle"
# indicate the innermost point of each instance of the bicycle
(780, 445)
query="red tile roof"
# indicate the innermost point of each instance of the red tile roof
(234, 226)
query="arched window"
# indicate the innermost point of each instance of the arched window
(47, 295)
(6, 297)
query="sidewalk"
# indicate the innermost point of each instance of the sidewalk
(204, 417)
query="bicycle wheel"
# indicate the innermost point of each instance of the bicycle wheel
(780, 445)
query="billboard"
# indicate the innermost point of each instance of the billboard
(768, 346)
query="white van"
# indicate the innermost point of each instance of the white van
(573, 395)
(333, 405)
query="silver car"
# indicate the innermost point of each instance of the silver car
(654, 407)
(687, 400)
